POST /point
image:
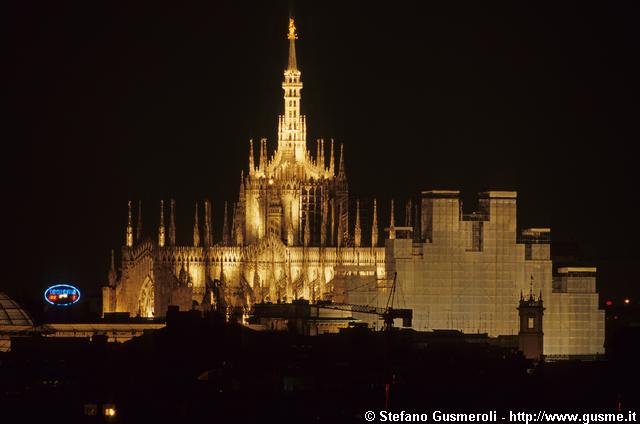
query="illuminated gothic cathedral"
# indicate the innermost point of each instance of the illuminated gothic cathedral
(289, 236)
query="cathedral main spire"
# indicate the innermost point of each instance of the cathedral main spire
(280, 185)
(292, 125)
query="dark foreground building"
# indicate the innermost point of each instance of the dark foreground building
(201, 369)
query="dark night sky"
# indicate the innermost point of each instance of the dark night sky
(122, 100)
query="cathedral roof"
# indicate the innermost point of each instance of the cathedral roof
(11, 313)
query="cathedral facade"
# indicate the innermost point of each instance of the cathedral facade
(288, 236)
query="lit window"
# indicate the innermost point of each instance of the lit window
(109, 410)
(531, 323)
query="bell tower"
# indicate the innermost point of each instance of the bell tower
(530, 336)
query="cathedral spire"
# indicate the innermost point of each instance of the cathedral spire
(208, 239)
(262, 166)
(112, 270)
(357, 231)
(341, 170)
(252, 166)
(161, 226)
(196, 229)
(129, 233)
(332, 162)
(292, 124)
(392, 224)
(225, 227)
(292, 65)
(139, 223)
(322, 164)
(374, 226)
(172, 223)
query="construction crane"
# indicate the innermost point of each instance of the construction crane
(387, 314)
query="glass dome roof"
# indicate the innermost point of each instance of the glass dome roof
(11, 313)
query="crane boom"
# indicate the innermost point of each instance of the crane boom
(387, 314)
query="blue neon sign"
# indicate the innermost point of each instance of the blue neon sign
(62, 295)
